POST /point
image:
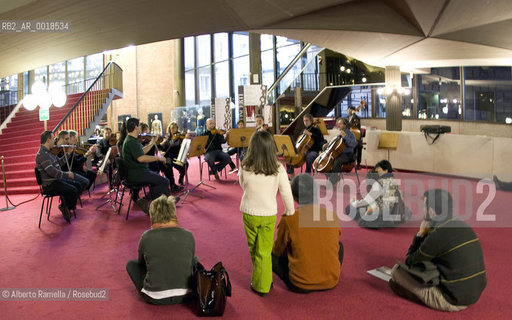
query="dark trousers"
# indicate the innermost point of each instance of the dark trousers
(280, 267)
(90, 175)
(310, 159)
(359, 152)
(137, 273)
(68, 190)
(219, 156)
(158, 185)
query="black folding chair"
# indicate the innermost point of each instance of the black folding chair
(134, 188)
(47, 196)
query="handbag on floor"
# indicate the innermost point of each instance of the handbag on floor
(213, 286)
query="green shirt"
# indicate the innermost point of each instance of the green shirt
(132, 149)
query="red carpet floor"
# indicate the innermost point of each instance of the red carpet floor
(93, 250)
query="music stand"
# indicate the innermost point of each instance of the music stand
(321, 125)
(285, 146)
(197, 149)
(388, 141)
(109, 158)
(239, 138)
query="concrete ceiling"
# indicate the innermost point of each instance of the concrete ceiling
(407, 33)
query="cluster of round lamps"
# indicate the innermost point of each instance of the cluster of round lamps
(43, 98)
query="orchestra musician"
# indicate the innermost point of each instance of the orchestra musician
(69, 161)
(240, 151)
(170, 146)
(260, 123)
(136, 161)
(166, 168)
(80, 160)
(216, 158)
(103, 145)
(54, 179)
(347, 155)
(355, 122)
(318, 142)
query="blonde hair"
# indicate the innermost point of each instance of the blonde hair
(169, 127)
(163, 210)
(261, 155)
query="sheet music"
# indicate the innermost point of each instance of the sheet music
(383, 273)
(105, 160)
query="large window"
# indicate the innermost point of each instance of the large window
(93, 66)
(190, 88)
(41, 74)
(488, 93)
(240, 44)
(203, 50)
(189, 53)
(76, 75)
(439, 94)
(241, 74)
(221, 43)
(58, 74)
(222, 79)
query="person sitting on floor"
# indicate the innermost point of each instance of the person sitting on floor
(307, 253)
(502, 185)
(383, 206)
(168, 251)
(451, 250)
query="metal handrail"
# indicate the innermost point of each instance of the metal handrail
(288, 68)
(101, 75)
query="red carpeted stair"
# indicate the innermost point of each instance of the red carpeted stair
(19, 143)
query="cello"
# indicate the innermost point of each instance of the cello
(325, 160)
(302, 145)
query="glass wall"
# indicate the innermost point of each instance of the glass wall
(76, 71)
(488, 95)
(439, 94)
(57, 74)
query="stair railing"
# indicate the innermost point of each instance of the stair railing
(83, 111)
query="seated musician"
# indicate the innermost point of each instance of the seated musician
(136, 161)
(347, 155)
(54, 179)
(355, 122)
(103, 145)
(69, 159)
(158, 166)
(80, 160)
(260, 123)
(318, 142)
(170, 146)
(240, 151)
(216, 158)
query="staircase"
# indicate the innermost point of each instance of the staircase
(19, 143)
(20, 138)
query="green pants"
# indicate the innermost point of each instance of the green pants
(260, 237)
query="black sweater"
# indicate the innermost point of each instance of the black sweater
(455, 249)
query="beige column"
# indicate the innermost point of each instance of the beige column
(393, 99)
(255, 57)
(179, 73)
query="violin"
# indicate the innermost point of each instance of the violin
(55, 149)
(178, 135)
(113, 140)
(145, 138)
(218, 131)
